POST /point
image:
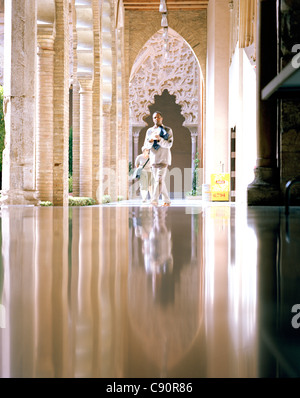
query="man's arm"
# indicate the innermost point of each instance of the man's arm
(136, 163)
(148, 142)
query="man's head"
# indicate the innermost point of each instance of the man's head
(157, 118)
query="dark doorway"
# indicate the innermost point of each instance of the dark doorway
(181, 150)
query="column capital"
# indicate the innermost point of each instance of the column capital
(86, 84)
(106, 108)
(136, 130)
(193, 130)
(45, 37)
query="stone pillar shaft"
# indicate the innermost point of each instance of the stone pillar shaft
(105, 165)
(266, 70)
(76, 138)
(61, 105)
(194, 135)
(19, 102)
(86, 137)
(96, 95)
(136, 134)
(265, 187)
(44, 136)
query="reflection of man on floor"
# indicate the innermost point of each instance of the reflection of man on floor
(157, 251)
(144, 223)
(158, 257)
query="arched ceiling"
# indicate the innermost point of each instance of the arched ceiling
(150, 5)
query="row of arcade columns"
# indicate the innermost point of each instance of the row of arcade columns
(37, 76)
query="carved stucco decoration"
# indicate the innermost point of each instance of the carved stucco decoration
(152, 73)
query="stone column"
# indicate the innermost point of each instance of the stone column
(96, 95)
(76, 115)
(18, 185)
(1, 42)
(61, 105)
(194, 135)
(86, 137)
(130, 149)
(76, 138)
(105, 167)
(44, 134)
(135, 134)
(264, 190)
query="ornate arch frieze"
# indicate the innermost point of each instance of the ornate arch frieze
(152, 73)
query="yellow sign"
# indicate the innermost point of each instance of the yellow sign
(220, 187)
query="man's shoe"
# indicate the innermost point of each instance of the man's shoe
(166, 204)
(154, 203)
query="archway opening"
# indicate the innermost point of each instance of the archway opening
(172, 85)
(179, 172)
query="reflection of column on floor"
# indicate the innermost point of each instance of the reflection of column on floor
(218, 343)
(230, 294)
(106, 285)
(112, 293)
(267, 231)
(120, 282)
(194, 232)
(18, 252)
(84, 319)
(60, 325)
(99, 291)
(74, 281)
(44, 290)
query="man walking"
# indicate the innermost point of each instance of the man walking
(159, 140)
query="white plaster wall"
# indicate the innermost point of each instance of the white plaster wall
(210, 97)
(216, 143)
(242, 114)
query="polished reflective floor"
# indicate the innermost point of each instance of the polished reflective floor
(196, 290)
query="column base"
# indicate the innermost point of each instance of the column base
(19, 197)
(265, 189)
